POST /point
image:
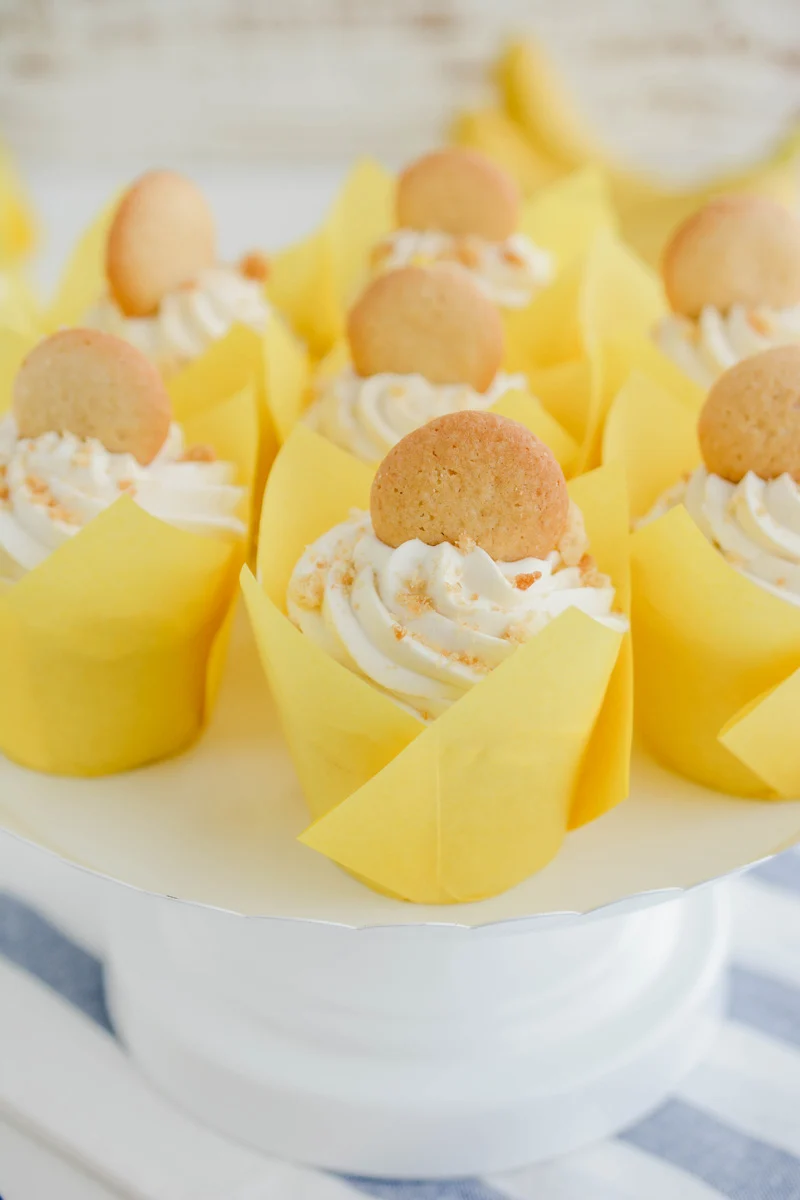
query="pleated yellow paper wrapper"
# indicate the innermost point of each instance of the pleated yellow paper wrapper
(17, 222)
(537, 133)
(274, 364)
(717, 656)
(584, 335)
(112, 647)
(315, 281)
(18, 304)
(475, 802)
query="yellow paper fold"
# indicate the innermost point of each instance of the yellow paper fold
(764, 737)
(479, 799)
(314, 281)
(111, 648)
(580, 338)
(17, 222)
(494, 133)
(83, 280)
(539, 132)
(105, 645)
(708, 642)
(564, 219)
(653, 437)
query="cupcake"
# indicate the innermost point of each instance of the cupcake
(423, 342)
(458, 637)
(745, 497)
(457, 206)
(119, 543)
(166, 291)
(716, 566)
(732, 278)
(471, 547)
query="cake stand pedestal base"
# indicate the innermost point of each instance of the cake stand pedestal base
(418, 1051)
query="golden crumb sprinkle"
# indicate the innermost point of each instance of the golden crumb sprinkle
(467, 253)
(466, 544)
(512, 257)
(758, 322)
(467, 660)
(200, 453)
(4, 493)
(399, 632)
(254, 265)
(415, 598)
(526, 580)
(36, 486)
(516, 633)
(591, 575)
(309, 591)
(59, 513)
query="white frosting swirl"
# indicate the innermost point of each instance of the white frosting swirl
(190, 319)
(51, 486)
(367, 416)
(425, 623)
(755, 524)
(703, 349)
(510, 272)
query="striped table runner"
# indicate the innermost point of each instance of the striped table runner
(731, 1130)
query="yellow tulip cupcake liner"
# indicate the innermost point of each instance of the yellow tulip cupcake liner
(17, 222)
(717, 656)
(313, 281)
(19, 305)
(584, 335)
(479, 799)
(112, 648)
(537, 133)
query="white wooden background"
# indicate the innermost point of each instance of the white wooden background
(672, 83)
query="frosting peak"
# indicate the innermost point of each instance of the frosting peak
(425, 623)
(368, 416)
(707, 347)
(510, 272)
(189, 319)
(755, 524)
(53, 485)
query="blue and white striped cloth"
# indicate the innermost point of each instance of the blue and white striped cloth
(731, 1130)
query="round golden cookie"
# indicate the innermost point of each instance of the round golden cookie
(736, 250)
(161, 237)
(431, 321)
(459, 192)
(93, 385)
(472, 477)
(751, 418)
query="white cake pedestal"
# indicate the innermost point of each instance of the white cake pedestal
(425, 1052)
(291, 1007)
